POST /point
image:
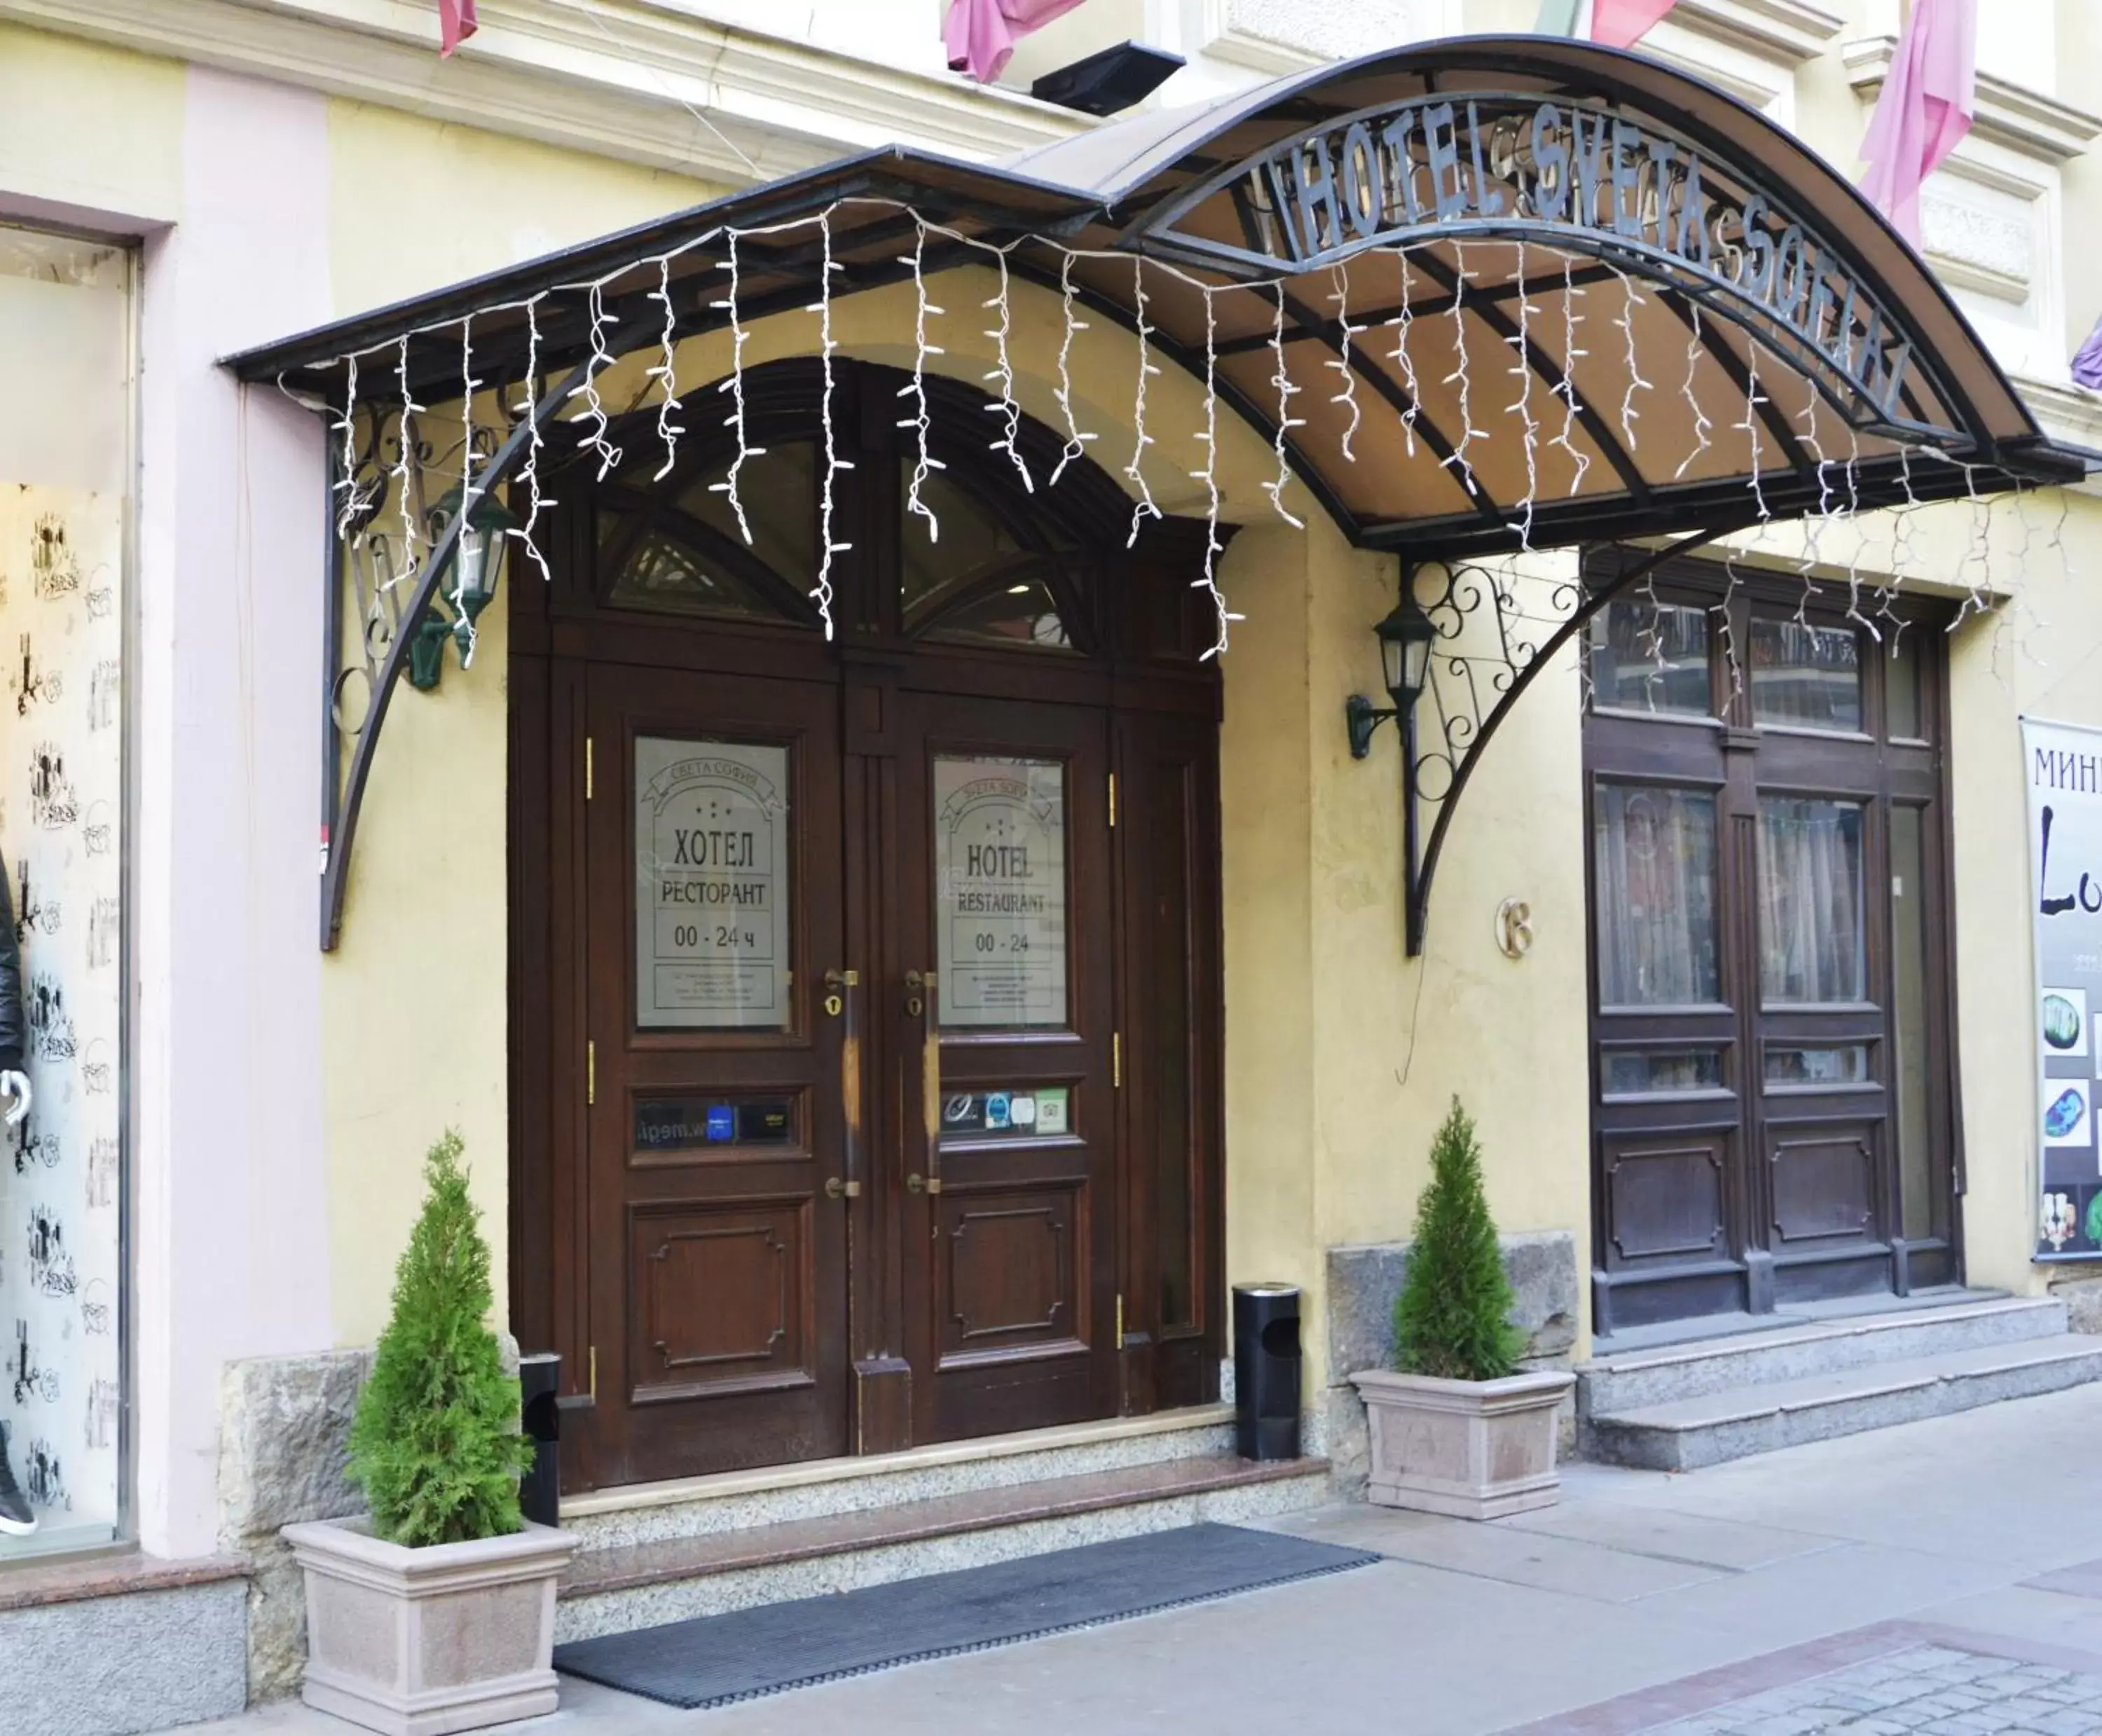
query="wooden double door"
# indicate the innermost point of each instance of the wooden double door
(1773, 1113)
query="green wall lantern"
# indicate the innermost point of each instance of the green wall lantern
(466, 584)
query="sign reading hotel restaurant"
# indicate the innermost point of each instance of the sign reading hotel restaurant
(712, 863)
(2062, 766)
(999, 877)
(1572, 172)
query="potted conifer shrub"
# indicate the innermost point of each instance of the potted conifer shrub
(435, 1612)
(1456, 1427)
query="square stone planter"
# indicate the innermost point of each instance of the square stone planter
(418, 1642)
(1473, 1449)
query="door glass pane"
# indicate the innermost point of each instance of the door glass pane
(999, 891)
(1650, 1073)
(1917, 1190)
(1021, 614)
(1811, 941)
(1654, 881)
(713, 866)
(1815, 1067)
(1651, 656)
(1805, 677)
(693, 556)
(1901, 688)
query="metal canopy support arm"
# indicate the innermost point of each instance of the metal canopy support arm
(1462, 736)
(340, 802)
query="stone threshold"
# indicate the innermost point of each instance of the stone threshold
(627, 1566)
(766, 1479)
(36, 1583)
(1626, 1352)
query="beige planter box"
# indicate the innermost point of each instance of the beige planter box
(1474, 1449)
(418, 1642)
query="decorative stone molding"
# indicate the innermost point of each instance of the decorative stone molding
(611, 76)
(2008, 114)
(1273, 37)
(1788, 31)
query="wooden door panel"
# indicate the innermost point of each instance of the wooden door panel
(1008, 1281)
(1666, 1196)
(1824, 1182)
(723, 1298)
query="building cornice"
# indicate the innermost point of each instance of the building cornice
(621, 78)
(2008, 114)
(1792, 31)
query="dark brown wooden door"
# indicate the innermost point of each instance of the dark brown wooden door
(718, 1289)
(1004, 1028)
(1771, 1117)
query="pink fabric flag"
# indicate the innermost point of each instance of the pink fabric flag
(1621, 24)
(1929, 95)
(981, 34)
(456, 24)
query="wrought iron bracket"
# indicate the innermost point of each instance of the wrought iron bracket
(1471, 691)
(342, 796)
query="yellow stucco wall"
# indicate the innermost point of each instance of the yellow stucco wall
(87, 125)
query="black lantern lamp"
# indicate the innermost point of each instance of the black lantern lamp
(467, 583)
(1406, 636)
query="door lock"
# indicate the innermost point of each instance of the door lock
(919, 1184)
(836, 1188)
(916, 985)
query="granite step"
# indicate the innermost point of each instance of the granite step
(1615, 1383)
(616, 1589)
(1684, 1434)
(773, 1495)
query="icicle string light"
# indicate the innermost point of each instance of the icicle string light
(347, 485)
(734, 386)
(406, 459)
(469, 493)
(1403, 319)
(921, 421)
(1701, 423)
(1461, 376)
(828, 345)
(1076, 441)
(1521, 343)
(1210, 477)
(602, 359)
(1580, 459)
(1002, 374)
(530, 474)
(1135, 471)
(1347, 373)
(666, 373)
(1631, 299)
(1286, 421)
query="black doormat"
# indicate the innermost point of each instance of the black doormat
(715, 1659)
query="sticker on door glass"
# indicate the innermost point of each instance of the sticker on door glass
(711, 864)
(1000, 880)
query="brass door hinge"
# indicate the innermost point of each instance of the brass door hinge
(591, 1072)
(1112, 801)
(1116, 1061)
(588, 778)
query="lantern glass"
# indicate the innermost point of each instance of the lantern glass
(1406, 637)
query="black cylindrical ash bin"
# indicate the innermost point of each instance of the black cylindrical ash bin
(1267, 1370)
(539, 1384)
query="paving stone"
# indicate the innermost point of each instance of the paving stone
(1929, 1690)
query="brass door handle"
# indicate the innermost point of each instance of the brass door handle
(918, 1184)
(837, 1189)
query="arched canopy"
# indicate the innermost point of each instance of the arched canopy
(1478, 292)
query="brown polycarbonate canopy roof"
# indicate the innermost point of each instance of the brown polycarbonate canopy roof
(1517, 290)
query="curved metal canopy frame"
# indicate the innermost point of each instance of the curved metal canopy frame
(1713, 325)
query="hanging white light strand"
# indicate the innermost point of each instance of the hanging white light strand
(458, 569)
(1852, 514)
(403, 471)
(1135, 469)
(1580, 459)
(1631, 299)
(734, 386)
(1210, 477)
(346, 485)
(1814, 523)
(666, 373)
(834, 463)
(531, 472)
(608, 455)
(1403, 319)
(1901, 518)
(1701, 423)
(1347, 393)
(1003, 371)
(921, 421)
(1286, 421)
(1521, 343)
(1753, 429)
(1461, 375)
(1076, 442)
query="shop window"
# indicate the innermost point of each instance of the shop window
(66, 320)
(1651, 656)
(1805, 676)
